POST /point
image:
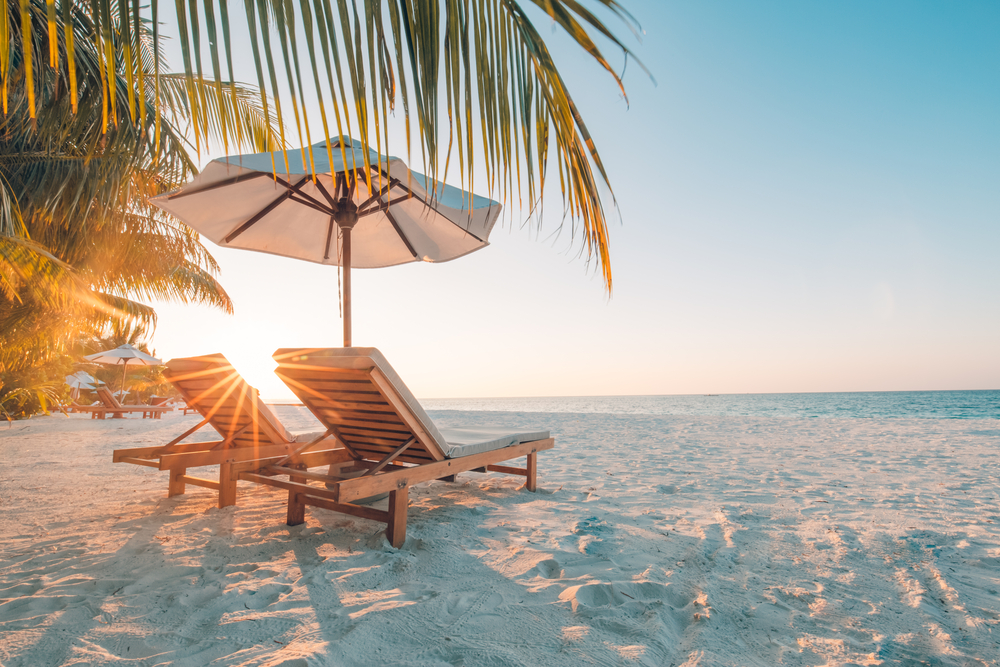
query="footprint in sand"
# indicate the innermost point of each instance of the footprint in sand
(656, 615)
(265, 596)
(593, 596)
(591, 533)
(473, 611)
(548, 569)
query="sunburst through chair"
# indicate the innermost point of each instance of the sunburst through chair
(248, 429)
(384, 434)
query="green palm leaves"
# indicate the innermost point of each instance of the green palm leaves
(474, 77)
(80, 246)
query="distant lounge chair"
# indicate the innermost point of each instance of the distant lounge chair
(108, 404)
(186, 409)
(76, 407)
(248, 428)
(365, 406)
(167, 400)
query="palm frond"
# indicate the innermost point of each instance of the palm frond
(475, 78)
(74, 188)
(237, 116)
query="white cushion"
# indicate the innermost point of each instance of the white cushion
(466, 441)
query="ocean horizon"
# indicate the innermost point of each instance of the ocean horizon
(943, 404)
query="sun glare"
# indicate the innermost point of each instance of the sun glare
(258, 369)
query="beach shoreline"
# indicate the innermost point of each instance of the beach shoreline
(654, 539)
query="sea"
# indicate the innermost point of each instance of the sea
(983, 404)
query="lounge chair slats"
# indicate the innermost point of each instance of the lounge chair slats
(356, 406)
(374, 434)
(362, 418)
(357, 396)
(314, 389)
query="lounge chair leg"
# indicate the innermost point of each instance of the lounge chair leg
(530, 480)
(176, 485)
(296, 508)
(227, 485)
(399, 500)
(448, 478)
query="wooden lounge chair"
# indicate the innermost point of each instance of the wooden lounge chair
(94, 409)
(358, 397)
(109, 405)
(248, 429)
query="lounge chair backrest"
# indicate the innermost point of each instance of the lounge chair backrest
(212, 386)
(107, 398)
(355, 392)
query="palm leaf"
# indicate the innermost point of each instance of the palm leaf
(475, 75)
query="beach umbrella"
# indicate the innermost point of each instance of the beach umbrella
(337, 212)
(124, 356)
(80, 380)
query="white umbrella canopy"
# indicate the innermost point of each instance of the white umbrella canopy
(124, 356)
(344, 215)
(81, 380)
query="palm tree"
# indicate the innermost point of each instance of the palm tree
(475, 77)
(80, 247)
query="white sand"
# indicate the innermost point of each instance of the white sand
(653, 540)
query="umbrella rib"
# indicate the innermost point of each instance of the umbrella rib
(381, 193)
(463, 228)
(425, 201)
(384, 205)
(411, 195)
(219, 184)
(329, 199)
(257, 217)
(399, 231)
(297, 189)
(315, 206)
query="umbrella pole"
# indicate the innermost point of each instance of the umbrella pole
(347, 285)
(124, 368)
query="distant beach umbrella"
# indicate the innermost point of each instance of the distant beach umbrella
(346, 215)
(80, 380)
(124, 356)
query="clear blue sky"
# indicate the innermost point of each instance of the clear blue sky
(809, 198)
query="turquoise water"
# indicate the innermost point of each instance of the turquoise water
(849, 405)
